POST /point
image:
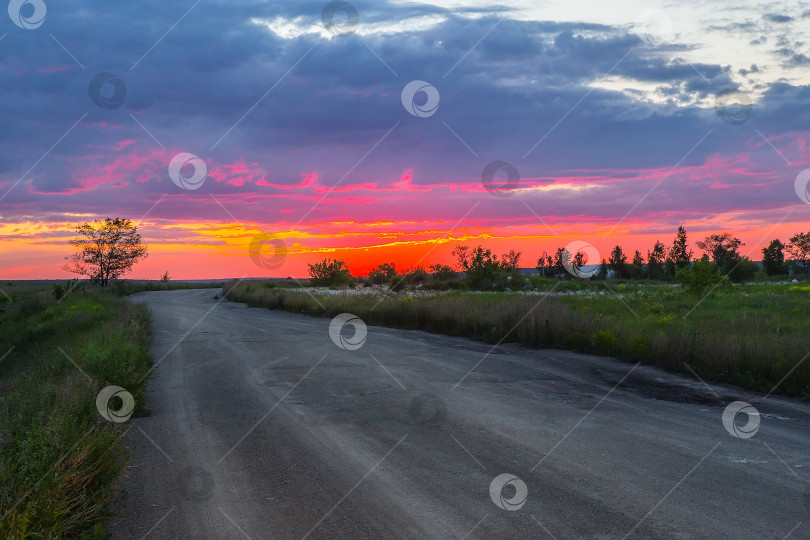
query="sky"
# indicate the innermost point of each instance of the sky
(254, 138)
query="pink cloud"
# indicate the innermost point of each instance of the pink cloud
(718, 182)
(55, 69)
(308, 179)
(123, 144)
(117, 172)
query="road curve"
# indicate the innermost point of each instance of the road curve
(262, 427)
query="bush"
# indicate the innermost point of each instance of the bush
(384, 273)
(481, 267)
(441, 272)
(330, 273)
(435, 285)
(743, 270)
(415, 276)
(638, 348)
(58, 291)
(700, 276)
(605, 342)
(577, 341)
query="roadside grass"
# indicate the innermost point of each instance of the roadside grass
(751, 335)
(128, 286)
(58, 458)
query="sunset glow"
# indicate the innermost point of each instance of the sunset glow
(304, 136)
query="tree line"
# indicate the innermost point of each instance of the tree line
(106, 249)
(721, 261)
(660, 262)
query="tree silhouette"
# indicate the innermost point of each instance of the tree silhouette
(679, 255)
(722, 248)
(328, 272)
(656, 260)
(618, 262)
(383, 273)
(773, 257)
(105, 249)
(799, 250)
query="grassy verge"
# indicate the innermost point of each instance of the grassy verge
(127, 287)
(58, 458)
(752, 335)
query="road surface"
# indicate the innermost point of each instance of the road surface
(262, 426)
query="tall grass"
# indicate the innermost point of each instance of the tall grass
(751, 335)
(58, 459)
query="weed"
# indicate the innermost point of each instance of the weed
(57, 462)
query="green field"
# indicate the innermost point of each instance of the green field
(58, 457)
(752, 335)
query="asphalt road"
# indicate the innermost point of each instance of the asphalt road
(262, 427)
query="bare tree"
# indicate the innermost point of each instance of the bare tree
(105, 249)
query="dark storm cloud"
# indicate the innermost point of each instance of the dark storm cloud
(214, 67)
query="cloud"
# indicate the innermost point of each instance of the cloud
(295, 123)
(778, 18)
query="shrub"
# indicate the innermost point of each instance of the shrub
(481, 267)
(330, 273)
(435, 285)
(744, 269)
(700, 276)
(441, 272)
(577, 341)
(382, 274)
(605, 342)
(484, 271)
(415, 276)
(638, 348)
(58, 291)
